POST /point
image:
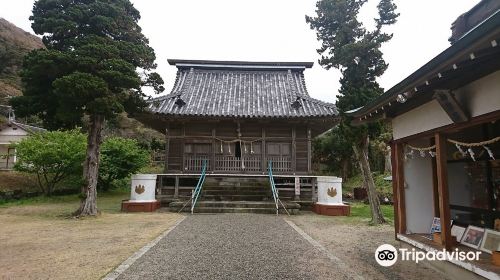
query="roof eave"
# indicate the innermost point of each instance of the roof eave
(482, 31)
(239, 64)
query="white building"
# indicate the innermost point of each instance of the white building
(12, 132)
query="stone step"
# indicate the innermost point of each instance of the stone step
(234, 204)
(241, 187)
(235, 197)
(212, 210)
(235, 182)
(236, 179)
(232, 183)
(231, 191)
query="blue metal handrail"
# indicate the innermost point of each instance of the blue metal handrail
(197, 190)
(274, 189)
(273, 186)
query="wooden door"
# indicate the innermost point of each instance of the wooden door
(281, 156)
(195, 154)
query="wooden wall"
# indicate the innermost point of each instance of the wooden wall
(276, 136)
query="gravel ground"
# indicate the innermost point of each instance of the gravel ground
(355, 242)
(234, 246)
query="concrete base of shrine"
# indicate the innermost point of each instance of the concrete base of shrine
(138, 206)
(332, 210)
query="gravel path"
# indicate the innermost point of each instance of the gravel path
(354, 243)
(234, 246)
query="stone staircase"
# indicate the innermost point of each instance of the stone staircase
(236, 195)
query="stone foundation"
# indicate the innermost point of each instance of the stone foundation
(332, 210)
(134, 206)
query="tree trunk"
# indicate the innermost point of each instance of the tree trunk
(88, 204)
(361, 153)
(387, 163)
(345, 169)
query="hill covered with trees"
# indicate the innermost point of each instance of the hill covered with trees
(15, 43)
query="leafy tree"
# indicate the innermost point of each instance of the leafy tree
(125, 127)
(51, 156)
(120, 157)
(380, 146)
(95, 63)
(335, 151)
(348, 46)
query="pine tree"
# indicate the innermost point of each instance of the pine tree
(348, 46)
(95, 63)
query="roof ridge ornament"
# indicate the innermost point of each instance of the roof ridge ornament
(179, 101)
(297, 103)
(293, 87)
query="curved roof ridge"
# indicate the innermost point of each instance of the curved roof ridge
(239, 92)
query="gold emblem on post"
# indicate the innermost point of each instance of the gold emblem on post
(332, 192)
(139, 189)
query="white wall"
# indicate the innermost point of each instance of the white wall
(424, 118)
(12, 134)
(418, 193)
(478, 98)
(8, 135)
(481, 96)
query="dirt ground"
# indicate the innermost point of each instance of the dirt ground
(40, 241)
(355, 242)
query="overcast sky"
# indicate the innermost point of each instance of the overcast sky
(275, 30)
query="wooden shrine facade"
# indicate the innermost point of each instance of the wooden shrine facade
(238, 116)
(240, 147)
(446, 147)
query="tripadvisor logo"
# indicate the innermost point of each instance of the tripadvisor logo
(387, 255)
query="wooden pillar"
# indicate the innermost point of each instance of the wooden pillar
(183, 144)
(314, 181)
(442, 179)
(212, 156)
(297, 188)
(242, 161)
(167, 148)
(398, 184)
(309, 150)
(176, 187)
(294, 151)
(394, 187)
(435, 192)
(263, 151)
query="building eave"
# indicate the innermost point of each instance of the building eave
(484, 38)
(239, 64)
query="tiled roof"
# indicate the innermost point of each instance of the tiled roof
(29, 128)
(241, 89)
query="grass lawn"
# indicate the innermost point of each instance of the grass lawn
(40, 240)
(361, 215)
(361, 212)
(383, 187)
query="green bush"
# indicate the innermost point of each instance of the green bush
(120, 157)
(53, 157)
